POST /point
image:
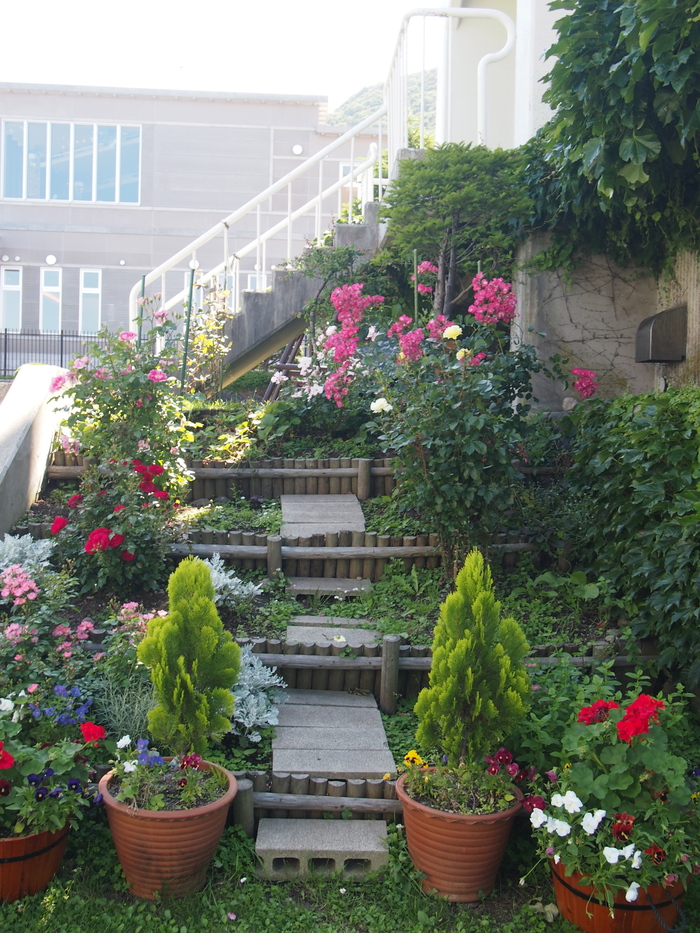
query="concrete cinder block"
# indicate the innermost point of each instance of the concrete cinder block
(292, 849)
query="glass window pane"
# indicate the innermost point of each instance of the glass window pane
(106, 163)
(60, 161)
(91, 279)
(13, 160)
(52, 278)
(50, 312)
(129, 164)
(36, 160)
(90, 313)
(10, 277)
(82, 163)
(11, 309)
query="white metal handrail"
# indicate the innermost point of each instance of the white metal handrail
(223, 226)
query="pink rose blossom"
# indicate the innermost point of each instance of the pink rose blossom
(57, 383)
(586, 385)
(157, 375)
(127, 336)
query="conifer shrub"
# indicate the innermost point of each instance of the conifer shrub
(193, 663)
(479, 687)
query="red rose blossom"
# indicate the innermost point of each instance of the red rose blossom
(74, 500)
(127, 555)
(58, 524)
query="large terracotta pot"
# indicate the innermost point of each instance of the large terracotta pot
(169, 850)
(579, 905)
(28, 863)
(459, 853)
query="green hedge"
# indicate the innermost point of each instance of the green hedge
(636, 457)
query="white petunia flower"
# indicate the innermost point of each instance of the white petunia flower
(591, 821)
(631, 894)
(611, 855)
(571, 802)
(557, 800)
(538, 817)
(124, 741)
(561, 828)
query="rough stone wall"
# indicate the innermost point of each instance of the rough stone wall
(683, 287)
(592, 320)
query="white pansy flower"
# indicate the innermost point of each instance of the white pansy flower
(538, 817)
(611, 855)
(557, 859)
(637, 860)
(380, 404)
(6, 706)
(562, 828)
(129, 766)
(557, 800)
(591, 821)
(124, 741)
(629, 850)
(631, 894)
(571, 802)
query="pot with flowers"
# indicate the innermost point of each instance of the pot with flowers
(167, 815)
(458, 813)
(44, 787)
(621, 827)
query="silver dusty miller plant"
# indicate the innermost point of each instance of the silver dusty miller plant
(31, 555)
(229, 589)
(256, 692)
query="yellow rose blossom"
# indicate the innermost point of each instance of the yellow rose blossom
(452, 332)
(464, 354)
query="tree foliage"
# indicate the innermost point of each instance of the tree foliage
(479, 688)
(621, 159)
(459, 206)
(193, 662)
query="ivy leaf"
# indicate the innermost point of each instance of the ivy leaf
(639, 147)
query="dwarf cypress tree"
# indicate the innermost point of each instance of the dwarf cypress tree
(479, 688)
(193, 663)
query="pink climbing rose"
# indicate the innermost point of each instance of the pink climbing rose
(586, 384)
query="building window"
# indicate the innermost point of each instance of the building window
(50, 309)
(71, 161)
(90, 300)
(11, 298)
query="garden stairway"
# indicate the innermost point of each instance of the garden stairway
(329, 738)
(304, 516)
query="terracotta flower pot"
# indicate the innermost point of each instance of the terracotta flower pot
(459, 853)
(28, 863)
(580, 905)
(167, 850)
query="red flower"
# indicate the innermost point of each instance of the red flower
(119, 508)
(5, 788)
(6, 759)
(98, 540)
(74, 500)
(623, 826)
(493, 769)
(147, 485)
(160, 494)
(92, 732)
(58, 523)
(531, 803)
(638, 715)
(631, 726)
(656, 853)
(503, 756)
(139, 467)
(127, 555)
(597, 712)
(117, 539)
(156, 469)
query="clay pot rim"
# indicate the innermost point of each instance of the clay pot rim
(142, 813)
(433, 813)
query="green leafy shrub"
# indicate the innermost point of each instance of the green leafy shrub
(193, 663)
(479, 688)
(636, 458)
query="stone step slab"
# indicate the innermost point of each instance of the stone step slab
(328, 717)
(294, 697)
(328, 635)
(320, 620)
(351, 738)
(334, 764)
(291, 849)
(322, 586)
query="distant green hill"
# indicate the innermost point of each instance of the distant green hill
(367, 100)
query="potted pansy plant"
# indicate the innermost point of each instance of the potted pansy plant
(620, 823)
(45, 788)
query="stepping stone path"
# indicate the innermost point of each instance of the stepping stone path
(305, 516)
(328, 630)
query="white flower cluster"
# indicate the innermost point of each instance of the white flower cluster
(590, 823)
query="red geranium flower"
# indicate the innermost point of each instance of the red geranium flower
(623, 826)
(6, 759)
(92, 732)
(638, 715)
(58, 524)
(597, 712)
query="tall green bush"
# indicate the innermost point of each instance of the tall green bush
(193, 662)
(479, 688)
(637, 460)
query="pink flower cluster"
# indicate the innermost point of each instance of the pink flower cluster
(586, 384)
(423, 269)
(17, 585)
(16, 633)
(410, 345)
(437, 326)
(399, 326)
(134, 621)
(476, 359)
(494, 301)
(72, 638)
(350, 305)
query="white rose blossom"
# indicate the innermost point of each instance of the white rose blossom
(380, 404)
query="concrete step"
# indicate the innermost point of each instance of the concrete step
(294, 697)
(321, 620)
(321, 586)
(304, 516)
(327, 635)
(297, 848)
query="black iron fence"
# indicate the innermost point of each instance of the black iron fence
(58, 349)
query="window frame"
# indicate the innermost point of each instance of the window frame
(12, 288)
(89, 291)
(55, 290)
